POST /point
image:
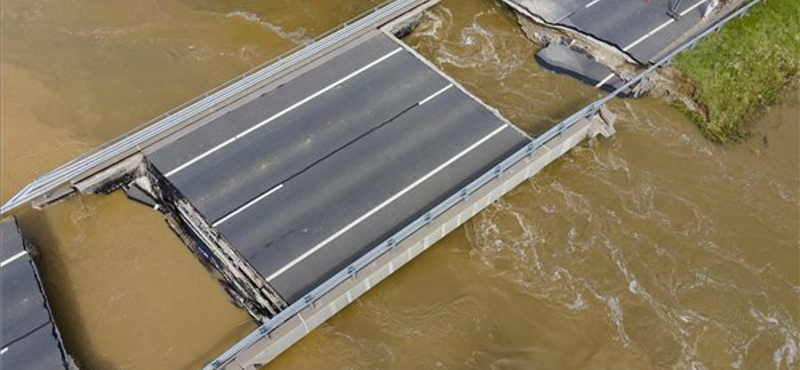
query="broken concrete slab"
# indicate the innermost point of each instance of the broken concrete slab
(574, 62)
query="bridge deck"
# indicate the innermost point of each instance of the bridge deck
(29, 337)
(305, 178)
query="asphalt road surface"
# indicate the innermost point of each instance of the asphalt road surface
(644, 29)
(308, 177)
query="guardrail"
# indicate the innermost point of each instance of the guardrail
(389, 244)
(130, 141)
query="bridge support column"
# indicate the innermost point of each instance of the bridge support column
(602, 124)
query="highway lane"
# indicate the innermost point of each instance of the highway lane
(193, 144)
(327, 165)
(309, 133)
(619, 22)
(656, 42)
(643, 29)
(317, 212)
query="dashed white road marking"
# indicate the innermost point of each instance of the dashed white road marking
(13, 258)
(246, 205)
(592, 3)
(659, 28)
(435, 94)
(603, 82)
(693, 7)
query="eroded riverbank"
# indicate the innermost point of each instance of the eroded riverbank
(743, 68)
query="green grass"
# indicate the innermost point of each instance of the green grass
(743, 67)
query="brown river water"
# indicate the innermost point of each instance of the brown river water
(654, 249)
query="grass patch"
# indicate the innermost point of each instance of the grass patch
(744, 66)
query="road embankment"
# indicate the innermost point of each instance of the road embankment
(743, 68)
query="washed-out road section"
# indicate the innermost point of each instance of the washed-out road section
(304, 179)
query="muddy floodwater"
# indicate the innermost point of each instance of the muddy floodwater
(654, 249)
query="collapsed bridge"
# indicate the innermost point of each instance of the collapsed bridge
(306, 182)
(282, 191)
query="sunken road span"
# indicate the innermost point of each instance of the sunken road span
(304, 179)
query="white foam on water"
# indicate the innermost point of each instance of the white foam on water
(298, 36)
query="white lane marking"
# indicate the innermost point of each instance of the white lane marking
(592, 3)
(603, 82)
(281, 113)
(4, 350)
(247, 205)
(13, 258)
(693, 7)
(254, 201)
(659, 28)
(435, 94)
(651, 33)
(382, 205)
(201, 156)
